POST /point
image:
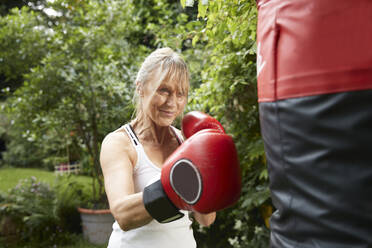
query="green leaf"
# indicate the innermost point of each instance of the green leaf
(202, 9)
(195, 39)
(183, 3)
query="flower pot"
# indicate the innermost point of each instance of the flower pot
(97, 225)
(8, 231)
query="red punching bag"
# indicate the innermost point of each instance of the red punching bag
(314, 76)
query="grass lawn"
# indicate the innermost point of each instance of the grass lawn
(9, 177)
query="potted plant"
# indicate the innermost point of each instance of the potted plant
(96, 218)
(97, 224)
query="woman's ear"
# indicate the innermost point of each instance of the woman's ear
(139, 88)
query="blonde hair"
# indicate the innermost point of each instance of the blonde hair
(171, 66)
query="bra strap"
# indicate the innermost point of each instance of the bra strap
(133, 137)
(179, 139)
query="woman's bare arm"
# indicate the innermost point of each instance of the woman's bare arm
(126, 205)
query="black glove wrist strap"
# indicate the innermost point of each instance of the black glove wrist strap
(158, 204)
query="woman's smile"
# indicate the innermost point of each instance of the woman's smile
(167, 113)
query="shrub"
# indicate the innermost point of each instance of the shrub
(41, 214)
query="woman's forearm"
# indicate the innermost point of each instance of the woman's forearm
(130, 212)
(205, 219)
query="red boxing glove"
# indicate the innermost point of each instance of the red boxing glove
(202, 175)
(195, 121)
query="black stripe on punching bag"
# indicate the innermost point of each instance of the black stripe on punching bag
(319, 155)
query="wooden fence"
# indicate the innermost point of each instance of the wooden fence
(63, 169)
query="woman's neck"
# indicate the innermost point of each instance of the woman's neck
(150, 133)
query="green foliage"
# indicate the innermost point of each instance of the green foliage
(228, 92)
(82, 243)
(81, 89)
(22, 41)
(39, 214)
(80, 85)
(7, 5)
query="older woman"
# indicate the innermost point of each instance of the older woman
(132, 156)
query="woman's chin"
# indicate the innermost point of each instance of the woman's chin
(164, 122)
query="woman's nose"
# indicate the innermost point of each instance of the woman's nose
(171, 99)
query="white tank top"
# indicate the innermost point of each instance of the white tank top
(174, 234)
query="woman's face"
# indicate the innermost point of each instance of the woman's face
(164, 103)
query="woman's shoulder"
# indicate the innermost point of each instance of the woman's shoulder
(119, 140)
(117, 143)
(117, 136)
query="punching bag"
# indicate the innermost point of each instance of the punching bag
(314, 75)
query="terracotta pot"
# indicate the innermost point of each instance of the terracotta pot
(8, 231)
(97, 225)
